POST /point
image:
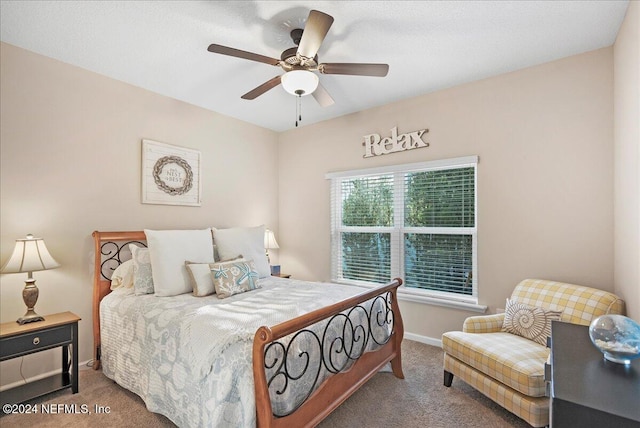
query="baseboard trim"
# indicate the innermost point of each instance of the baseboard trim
(81, 366)
(423, 339)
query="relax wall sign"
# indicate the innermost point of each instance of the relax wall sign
(375, 145)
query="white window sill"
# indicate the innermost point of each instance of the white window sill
(418, 297)
(447, 303)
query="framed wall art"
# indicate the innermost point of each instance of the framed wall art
(170, 174)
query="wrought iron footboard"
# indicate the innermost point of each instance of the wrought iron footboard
(300, 361)
(297, 357)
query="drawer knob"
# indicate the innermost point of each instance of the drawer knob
(36, 340)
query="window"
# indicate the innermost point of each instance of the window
(416, 221)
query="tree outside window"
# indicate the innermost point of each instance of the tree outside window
(415, 223)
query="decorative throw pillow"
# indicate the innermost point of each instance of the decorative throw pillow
(248, 241)
(169, 249)
(529, 322)
(142, 275)
(234, 277)
(201, 279)
(123, 275)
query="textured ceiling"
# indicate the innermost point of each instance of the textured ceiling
(162, 45)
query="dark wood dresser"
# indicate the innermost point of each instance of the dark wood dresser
(587, 390)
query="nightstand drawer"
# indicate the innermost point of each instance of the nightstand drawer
(36, 341)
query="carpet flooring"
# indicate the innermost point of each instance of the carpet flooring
(419, 400)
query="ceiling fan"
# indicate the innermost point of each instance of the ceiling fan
(300, 62)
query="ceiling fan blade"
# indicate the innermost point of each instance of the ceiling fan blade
(315, 30)
(224, 50)
(255, 93)
(322, 96)
(378, 70)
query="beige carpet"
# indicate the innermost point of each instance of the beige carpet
(420, 400)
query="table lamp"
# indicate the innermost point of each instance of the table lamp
(29, 255)
(270, 242)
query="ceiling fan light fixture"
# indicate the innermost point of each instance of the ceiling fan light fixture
(300, 82)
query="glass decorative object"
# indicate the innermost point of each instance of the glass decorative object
(617, 337)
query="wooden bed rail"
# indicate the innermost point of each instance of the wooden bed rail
(338, 387)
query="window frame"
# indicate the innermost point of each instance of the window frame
(398, 231)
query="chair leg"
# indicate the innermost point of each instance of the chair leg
(448, 378)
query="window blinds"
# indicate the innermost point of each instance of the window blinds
(415, 221)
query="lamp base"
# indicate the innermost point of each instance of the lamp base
(30, 316)
(30, 297)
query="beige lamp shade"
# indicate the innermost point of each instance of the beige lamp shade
(270, 242)
(30, 255)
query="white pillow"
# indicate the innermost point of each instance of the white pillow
(245, 241)
(123, 275)
(169, 249)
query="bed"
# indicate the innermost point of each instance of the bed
(285, 354)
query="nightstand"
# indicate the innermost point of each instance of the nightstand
(283, 275)
(18, 340)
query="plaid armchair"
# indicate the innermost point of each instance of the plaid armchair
(509, 368)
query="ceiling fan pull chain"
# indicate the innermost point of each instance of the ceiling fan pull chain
(298, 109)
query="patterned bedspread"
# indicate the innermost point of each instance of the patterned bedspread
(189, 358)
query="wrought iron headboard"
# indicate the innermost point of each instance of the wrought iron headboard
(108, 255)
(113, 254)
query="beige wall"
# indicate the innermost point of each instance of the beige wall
(545, 177)
(70, 163)
(70, 158)
(626, 64)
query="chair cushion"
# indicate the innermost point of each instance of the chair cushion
(534, 410)
(512, 360)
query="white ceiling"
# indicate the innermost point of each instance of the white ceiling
(429, 45)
